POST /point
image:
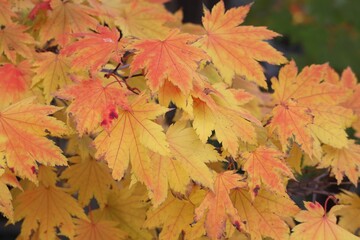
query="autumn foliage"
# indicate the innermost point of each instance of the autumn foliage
(87, 150)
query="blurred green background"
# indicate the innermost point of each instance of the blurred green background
(314, 31)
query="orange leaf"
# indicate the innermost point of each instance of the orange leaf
(264, 215)
(343, 161)
(219, 205)
(15, 41)
(317, 224)
(6, 13)
(24, 127)
(14, 82)
(130, 136)
(143, 20)
(93, 103)
(302, 102)
(265, 165)
(65, 18)
(95, 49)
(171, 58)
(234, 49)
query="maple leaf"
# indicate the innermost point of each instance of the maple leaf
(350, 213)
(15, 82)
(264, 215)
(265, 165)
(317, 224)
(6, 13)
(343, 161)
(219, 205)
(64, 18)
(172, 58)
(143, 20)
(24, 127)
(130, 137)
(168, 93)
(236, 49)
(216, 108)
(95, 49)
(7, 178)
(45, 207)
(187, 161)
(15, 41)
(52, 71)
(93, 103)
(97, 230)
(175, 216)
(85, 173)
(305, 115)
(128, 208)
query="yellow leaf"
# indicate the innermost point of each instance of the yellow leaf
(174, 216)
(218, 207)
(236, 49)
(343, 161)
(264, 216)
(90, 178)
(51, 70)
(350, 213)
(130, 137)
(24, 126)
(97, 230)
(265, 165)
(127, 207)
(315, 223)
(186, 162)
(65, 18)
(45, 208)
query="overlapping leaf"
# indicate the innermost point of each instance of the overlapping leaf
(15, 82)
(97, 230)
(130, 137)
(187, 161)
(90, 178)
(170, 58)
(304, 107)
(64, 18)
(52, 71)
(93, 103)
(343, 161)
(95, 49)
(175, 216)
(24, 127)
(128, 208)
(350, 213)
(15, 41)
(236, 49)
(217, 205)
(45, 207)
(217, 108)
(317, 224)
(265, 165)
(264, 216)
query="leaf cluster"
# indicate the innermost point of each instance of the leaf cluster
(86, 151)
